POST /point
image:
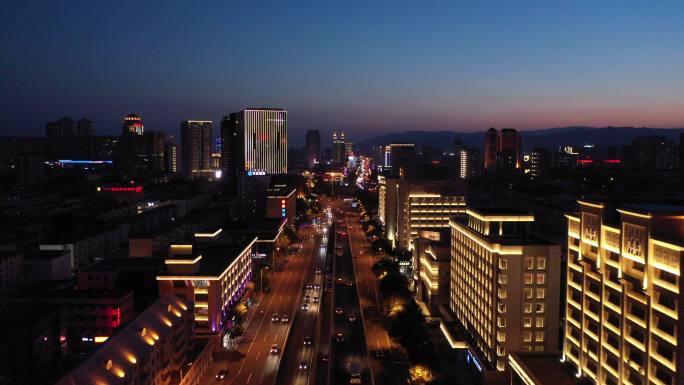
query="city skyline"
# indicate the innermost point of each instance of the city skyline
(527, 66)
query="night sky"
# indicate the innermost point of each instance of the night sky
(365, 68)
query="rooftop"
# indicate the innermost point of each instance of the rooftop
(543, 368)
(263, 229)
(44, 254)
(117, 357)
(112, 264)
(655, 209)
(213, 258)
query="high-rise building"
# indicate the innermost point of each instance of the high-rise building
(622, 318)
(539, 161)
(255, 142)
(502, 151)
(153, 153)
(681, 152)
(490, 149)
(339, 148)
(196, 147)
(469, 162)
(85, 128)
(132, 124)
(505, 285)
(653, 153)
(348, 149)
(313, 147)
(397, 155)
(60, 137)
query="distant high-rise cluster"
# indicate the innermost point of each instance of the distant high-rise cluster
(502, 151)
(339, 148)
(133, 124)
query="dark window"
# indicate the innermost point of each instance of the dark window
(667, 300)
(663, 376)
(668, 277)
(665, 352)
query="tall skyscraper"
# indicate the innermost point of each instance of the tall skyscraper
(313, 147)
(490, 149)
(339, 148)
(132, 124)
(400, 155)
(170, 158)
(196, 147)
(255, 141)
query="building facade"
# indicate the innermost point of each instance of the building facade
(505, 285)
(210, 274)
(150, 350)
(196, 147)
(281, 202)
(254, 142)
(339, 149)
(432, 259)
(623, 319)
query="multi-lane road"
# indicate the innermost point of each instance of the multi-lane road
(334, 333)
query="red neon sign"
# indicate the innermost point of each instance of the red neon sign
(133, 189)
(585, 161)
(613, 161)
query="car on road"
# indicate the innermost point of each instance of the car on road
(275, 317)
(349, 283)
(285, 318)
(314, 299)
(305, 307)
(308, 341)
(338, 310)
(318, 271)
(275, 349)
(303, 366)
(339, 253)
(378, 354)
(340, 281)
(221, 374)
(325, 357)
(307, 298)
(339, 337)
(317, 287)
(351, 317)
(309, 286)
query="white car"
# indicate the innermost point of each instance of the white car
(275, 349)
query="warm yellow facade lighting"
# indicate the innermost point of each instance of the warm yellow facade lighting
(208, 235)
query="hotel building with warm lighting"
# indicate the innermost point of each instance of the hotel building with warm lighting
(623, 319)
(150, 350)
(407, 205)
(210, 273)
(505, 286)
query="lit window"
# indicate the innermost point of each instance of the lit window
(541, 293)
(529, 293)
(541, 279)
(527, 308)
(527, 322)
(529, 263)
(539, 322)
(541, 263)
(539, 336)
(539, 308)
(527, 336)
(503, 264)
(528, 278)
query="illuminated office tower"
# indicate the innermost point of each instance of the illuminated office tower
(623, 319)
(255, 142)
(502, 151)
(505, 285)
(348, 148)
(339, 148)
(196, 147)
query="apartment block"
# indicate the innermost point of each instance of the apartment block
(432, 260)
(505, 285)
(623, 318)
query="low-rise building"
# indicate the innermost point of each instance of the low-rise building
(281, 202)
(211, 274)
(47, 265)
(539, 368)
(150, 350)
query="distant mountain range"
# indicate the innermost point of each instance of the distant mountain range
(548, 137)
